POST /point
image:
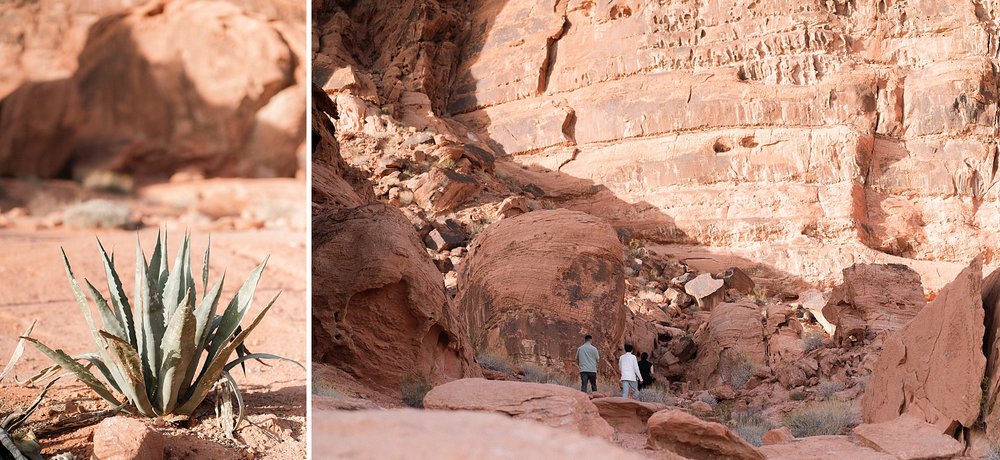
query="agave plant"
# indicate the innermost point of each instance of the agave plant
(21, 446)
(163, 350)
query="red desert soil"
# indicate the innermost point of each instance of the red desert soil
(35, 287)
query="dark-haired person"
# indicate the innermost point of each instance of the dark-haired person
(586, 357)
(629, 368)
(645, 371)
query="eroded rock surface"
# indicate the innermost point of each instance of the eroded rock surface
(684, 434)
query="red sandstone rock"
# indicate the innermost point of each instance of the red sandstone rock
(626, 415)
(734, 334)
(908, 438)
(553, 405)
(777, 436)
(445, 189)
(823, 448)
(535, 284)
(684, 434)
(121, 438)
(450, 435)
(933, 367)
(874, 298)
(706, 290)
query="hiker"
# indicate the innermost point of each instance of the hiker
(586, 356)
(630, 371)
(645, 371)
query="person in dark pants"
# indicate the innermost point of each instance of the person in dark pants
(587, 357)
(646, 371)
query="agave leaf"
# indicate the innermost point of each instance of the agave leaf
(18, 351)
(111, 322)
(118, 299)
(17, 421)
(259, 356)
(135, 386)
(152, 324)
(81, 373)
(139, 331)
(239, 402)
(204, 267)
(176, 287)
(8, 444)
(235, 312)
(213, 369)
(178, 353)
(205, 312)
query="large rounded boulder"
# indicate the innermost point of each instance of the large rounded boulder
(534, 285)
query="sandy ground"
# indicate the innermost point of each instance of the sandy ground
(34, 287)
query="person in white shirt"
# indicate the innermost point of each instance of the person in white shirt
(629, 367)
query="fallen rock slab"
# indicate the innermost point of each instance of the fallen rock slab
(684, 434)
(553, 405)
(908, 438)
(450, 435)
(874, 298)
(122, 438)
(934, 366)
(778, 436)
(627, 415)
(822, 448)
(707, 291)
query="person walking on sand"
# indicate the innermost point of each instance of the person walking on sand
(629, 368)
(586, 356)
(645, 371)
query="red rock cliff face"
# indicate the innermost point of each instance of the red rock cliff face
(847, 128)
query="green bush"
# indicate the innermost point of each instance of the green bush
(751, 426)
(828, 388)
(495, 362)
(823, 418)
(415, 387)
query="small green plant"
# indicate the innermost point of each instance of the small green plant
(797, 396)
(823, 418)
(751, 426)
(161, 353)
(533, 373)
(737, 371)
(812, 340)
(655, 394)
(415, 387)
(495, 362)
(827, 389)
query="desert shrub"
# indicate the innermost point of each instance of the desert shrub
(759, 295)
(533, 373)
(812, 340)
(415, 387)
(709, 399)
(108, 181)
(163, 351)
(98, 214)
(495, 362)
(823, 418)
(828, 388)
(993, 452)
(737, 371)
(797, 395)
(655, 394)
(751, 426)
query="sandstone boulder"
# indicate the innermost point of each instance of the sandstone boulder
(991, 342)
(908, 438)
(813, 302)
(553, 405)
(823, 448)
(684, 434)
(444, 190)
(933, 367)
(450, 435)
(874, 298)
(777, 436)
(626, 415)
(535, 284)
(732, 341)
(734, 278)
(122, 438)
(706, 290)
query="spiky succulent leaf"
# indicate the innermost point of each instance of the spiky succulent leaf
(18, 351)
(67, 362)
(129, 364)
(213, 369)
(178, 353)
(152, 320)
(235, 312)
(111, 322)
(122, 308)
